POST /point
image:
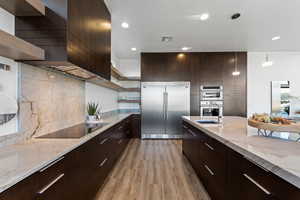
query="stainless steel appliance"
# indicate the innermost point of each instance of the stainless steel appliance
(211, 101)
(211, 108)
(163, 105)
(208, 93)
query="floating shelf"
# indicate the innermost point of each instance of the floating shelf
(18, 49)
(23, 7)
(131, 90)
(118, 75)
(129, 101)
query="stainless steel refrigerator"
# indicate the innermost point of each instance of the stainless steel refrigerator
(163, 105)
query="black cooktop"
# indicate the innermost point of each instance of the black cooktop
(77, 131)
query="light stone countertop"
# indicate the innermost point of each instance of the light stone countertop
(281, 157)
(19, 161)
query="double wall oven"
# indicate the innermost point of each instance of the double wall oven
(211, 100)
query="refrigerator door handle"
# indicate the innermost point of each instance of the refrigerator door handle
(166, 105)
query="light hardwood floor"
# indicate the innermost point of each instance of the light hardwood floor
(152, 170)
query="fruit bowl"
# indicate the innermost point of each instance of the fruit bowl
(273, 127)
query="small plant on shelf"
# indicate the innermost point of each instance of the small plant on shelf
(92, 110)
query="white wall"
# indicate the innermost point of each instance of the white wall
(107, 98)
(130, 67)
(8, 79)
(286, 67)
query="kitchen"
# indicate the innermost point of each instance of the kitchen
(149, 100)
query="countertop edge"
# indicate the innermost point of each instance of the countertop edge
(68, 150)
(285, 175)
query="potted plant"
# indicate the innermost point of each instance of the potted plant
(92, 110)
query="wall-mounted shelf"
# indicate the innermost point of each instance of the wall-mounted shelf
(118, 75)
(131, 90)
(23, 7)
(18, 49)
(129, 101)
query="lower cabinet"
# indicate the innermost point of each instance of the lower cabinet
(227, 175)
(136, 126)
(79, 174)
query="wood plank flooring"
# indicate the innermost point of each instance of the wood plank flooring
(153, 170)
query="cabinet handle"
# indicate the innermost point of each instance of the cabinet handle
(209, 170)
(185, 127)
(51, 184)
(51, 164)
(191, 132)
(103, 141)
(258, 165)
(120, 127)
(120, 141)
(208, 146)
(103, 162)
(257, 184)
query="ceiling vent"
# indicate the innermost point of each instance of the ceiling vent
(166, 38)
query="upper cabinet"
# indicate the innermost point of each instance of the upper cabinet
(24, 7)
(75, 34)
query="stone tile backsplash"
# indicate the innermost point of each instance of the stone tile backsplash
(48, 102)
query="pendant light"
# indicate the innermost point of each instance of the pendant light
(235, 72)
(267, 62)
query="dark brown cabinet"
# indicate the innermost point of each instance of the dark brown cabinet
(227, 175)
(79, 174)
(136, 126)
(201, 68)
(75, 34)
(208, 159)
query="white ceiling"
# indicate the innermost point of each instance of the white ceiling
(151, 19)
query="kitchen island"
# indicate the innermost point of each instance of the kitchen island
(234, 162)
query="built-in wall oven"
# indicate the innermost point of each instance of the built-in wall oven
(211, 108)
(211, 100)
(209, 93)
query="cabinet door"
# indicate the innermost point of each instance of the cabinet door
(251, 189)
(187, 142)
(25, 190)
(248, 181)
(136, 126)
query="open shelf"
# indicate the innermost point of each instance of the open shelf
(128, 101)
(23, 7)
(118, 75)
(131, 90)
(18, 49)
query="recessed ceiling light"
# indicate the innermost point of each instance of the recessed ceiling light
(133, 49)
(204, 16)
(186, 48)
(125, 25)
(180, 56)
(276, 38)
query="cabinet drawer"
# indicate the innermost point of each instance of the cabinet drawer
(25, 190)
(52, 180)
(213, 182)
(215, 146)
(51, 171)
(268, 183)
